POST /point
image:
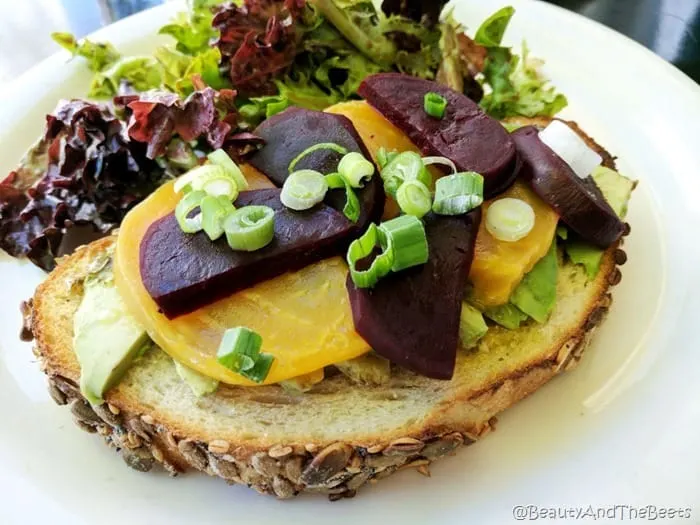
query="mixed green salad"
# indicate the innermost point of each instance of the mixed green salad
(230, 66)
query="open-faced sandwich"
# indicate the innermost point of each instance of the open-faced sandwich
(362, 290)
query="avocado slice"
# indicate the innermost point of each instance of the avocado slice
(472, 326)
(537, 292)
(617, 190)
(200, 384)
(106, 339)
(507, 315)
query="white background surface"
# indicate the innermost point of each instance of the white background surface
(622, 429)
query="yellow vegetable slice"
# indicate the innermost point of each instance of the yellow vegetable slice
(499, 266)
(304, 317)
(377, 132)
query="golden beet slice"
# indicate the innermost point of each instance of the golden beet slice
(304, 317)
(499, 266)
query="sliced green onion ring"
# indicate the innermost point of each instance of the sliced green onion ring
(408, 241)
(414, 198)
(352, 204)
(250, 228)
(221, 158)
(303, 189)
(239, 351)
(217, 179)
(364, 247)
(221, 187)
(434, 104)
(322, 145)
(440, 160)
(355, 169)
(185, 207)
(403, 167)
(214, 211)
(459, 193)
(510, 219)
(384, 157)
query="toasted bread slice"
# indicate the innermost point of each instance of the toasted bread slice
(335, 437)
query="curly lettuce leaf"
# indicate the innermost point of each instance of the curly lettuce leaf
(514, 85)
(258, 41)
(392, 42)
(192, 30)
(98, 55)
(139, 73)
(179, 69)
(84, 173)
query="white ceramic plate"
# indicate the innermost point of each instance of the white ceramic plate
(623, 429)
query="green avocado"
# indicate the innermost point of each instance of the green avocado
(106, 339)
(617, 190)
(507, 315)
(537, 292)
(472, 326)
(200, 384)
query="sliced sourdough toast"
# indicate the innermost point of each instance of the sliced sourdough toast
(334, 438)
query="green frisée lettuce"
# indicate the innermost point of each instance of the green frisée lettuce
(192, 30)
(141, 73)
(97, 55)
(513, 84)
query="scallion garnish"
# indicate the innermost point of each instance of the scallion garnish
(322, 145)
(184, 209)
(221, 158)
(352, 204)
(408, 241)
(414, 198)
(214, 211)
(440, 160)
(355, 169)
(434, 104)
(384, 157)
(303, 189)
(403, 244)
(239, 351)
(210, 178)
(403, 167)
(250, 228)
(457, 194)
(364, 247)
(510, 219)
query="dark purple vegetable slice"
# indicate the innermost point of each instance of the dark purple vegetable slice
(412, 317)
(465, 134)
(289, 133)
(578, 201)
(184, 272)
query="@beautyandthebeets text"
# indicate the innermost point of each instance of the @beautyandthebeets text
(610, 513)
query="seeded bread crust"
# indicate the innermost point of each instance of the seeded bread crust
(264, 437)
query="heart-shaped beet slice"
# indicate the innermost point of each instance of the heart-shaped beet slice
(412, 317)
(579, 202)
(184, 272)
(289, 133)
(465, 134)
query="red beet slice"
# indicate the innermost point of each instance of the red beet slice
(412, 317)
(465, 134)
(578, 202)
(184, 272)
(289, 133)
